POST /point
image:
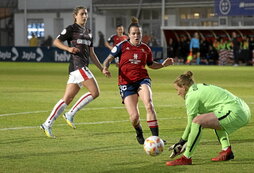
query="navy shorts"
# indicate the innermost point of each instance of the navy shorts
(130, 89)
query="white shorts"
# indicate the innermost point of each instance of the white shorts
(80, 75)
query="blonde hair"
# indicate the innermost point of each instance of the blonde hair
(76, 10)
(185, 80)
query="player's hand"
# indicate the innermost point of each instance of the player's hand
(178, 148)
(106, 73)
(73, 50)
(167, 62)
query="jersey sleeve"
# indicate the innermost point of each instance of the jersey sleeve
(116, 51)
(149, 60)
(65, 34)
(110, 39)
(90, 35)
(192, 106)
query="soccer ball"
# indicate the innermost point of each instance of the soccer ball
(153, 145)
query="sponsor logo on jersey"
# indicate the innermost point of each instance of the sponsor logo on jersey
(82, 41)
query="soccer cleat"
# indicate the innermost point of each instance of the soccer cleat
(140, 139)
(69, 121)
(181, 161)
(47, 130)
(224, 155)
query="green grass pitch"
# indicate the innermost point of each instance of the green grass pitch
(104, 141)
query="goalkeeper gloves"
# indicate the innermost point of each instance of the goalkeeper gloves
(178, 148)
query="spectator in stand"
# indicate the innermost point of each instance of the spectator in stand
(33, 42)
(101, 39)
(244, 55)
(212, 56)
(48, 42)
(204, 49)
(171, 49)
(236, 48)
(251, 51)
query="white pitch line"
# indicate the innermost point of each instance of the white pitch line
(97, 108)
(85, 123)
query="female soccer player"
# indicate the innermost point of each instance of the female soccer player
(133, 78)
(80, 46)
(115, 39)
(208, 106)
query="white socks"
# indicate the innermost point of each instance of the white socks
(57, 110)
(83, 100)
(61, 105)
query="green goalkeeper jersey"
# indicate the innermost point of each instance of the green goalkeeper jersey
(205, 98)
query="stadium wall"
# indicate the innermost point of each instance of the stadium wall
(53, 54)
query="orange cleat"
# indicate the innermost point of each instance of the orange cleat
(181, 161)
(224, 155)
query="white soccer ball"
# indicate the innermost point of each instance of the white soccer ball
(153, 145)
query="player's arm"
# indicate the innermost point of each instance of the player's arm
(108, 45)
(106, 65)
(165, 63)
(95, 59)
(58, 43)
(109, 41)
(179, 147)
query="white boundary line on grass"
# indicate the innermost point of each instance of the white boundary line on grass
(97, 108)
(85, 123)
(82, 123)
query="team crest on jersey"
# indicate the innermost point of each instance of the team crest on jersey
(114, 50)
(135, 59)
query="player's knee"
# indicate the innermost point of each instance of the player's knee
(149, 107)
(95, 94)
(134, 118)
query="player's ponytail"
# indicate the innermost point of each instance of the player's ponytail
(134, 23)
(185, 80)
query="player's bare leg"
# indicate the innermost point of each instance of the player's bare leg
(93, 93)
(131, 104)
(145, 94)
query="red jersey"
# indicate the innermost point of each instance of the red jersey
(132, 61)
(115, 39)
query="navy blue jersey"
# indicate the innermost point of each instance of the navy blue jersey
(81, 38)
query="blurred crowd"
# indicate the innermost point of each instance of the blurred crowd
(220, 51)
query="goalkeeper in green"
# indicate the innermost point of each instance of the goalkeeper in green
(208, 106)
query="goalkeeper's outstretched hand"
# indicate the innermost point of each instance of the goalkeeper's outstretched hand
(178, 148)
